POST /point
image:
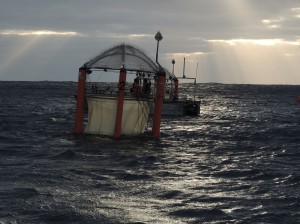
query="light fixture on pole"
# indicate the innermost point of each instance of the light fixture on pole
(173, 62)
(160, 91)
(158, 37)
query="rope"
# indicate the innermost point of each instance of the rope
(142, 112)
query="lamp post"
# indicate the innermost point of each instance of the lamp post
(172, 80)
(158, 37)
(183, 75)
(160, 90)
(173, 62)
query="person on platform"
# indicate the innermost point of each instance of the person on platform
(146, 87)
(135, 89)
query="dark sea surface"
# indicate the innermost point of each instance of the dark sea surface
(238, 162)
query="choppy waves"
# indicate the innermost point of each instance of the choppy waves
(238, 162)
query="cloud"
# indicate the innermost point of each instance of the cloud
(285, 23)
(204, 32)
(184, 54)
(273, 23)
(38, 33)
(124, 36)
(263, 42)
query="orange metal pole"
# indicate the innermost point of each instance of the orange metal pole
(80, 101)
(160, 89)
(121, 87)
(176, 89)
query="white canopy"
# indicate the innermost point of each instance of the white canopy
(123, 56)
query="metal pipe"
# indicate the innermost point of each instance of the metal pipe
(183, 75)
(160, 89)
(121, 92)
(80, 101)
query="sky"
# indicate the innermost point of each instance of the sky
(224, 41)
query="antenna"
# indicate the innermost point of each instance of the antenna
(197, 70)
(195, 79)
(183, 75)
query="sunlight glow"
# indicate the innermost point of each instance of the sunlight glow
(139, 35)
(15, 54)
(263, 42)
(131, 36)
(185, 54)
(265, 61)
(38, 33)
(30, 44)
(191, 66)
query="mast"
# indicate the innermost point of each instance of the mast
(183, 74)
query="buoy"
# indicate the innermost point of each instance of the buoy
(298, 99)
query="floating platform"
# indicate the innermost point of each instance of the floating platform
(126, 111)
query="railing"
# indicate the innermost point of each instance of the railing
(110, 89)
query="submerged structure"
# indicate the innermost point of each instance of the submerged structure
(122, 109)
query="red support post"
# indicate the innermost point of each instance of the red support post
(121, 87)
(160, 89)
(176, 89)
(80, 101)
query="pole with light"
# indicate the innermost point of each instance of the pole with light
(160, 90)
(158, 37)
(175, 82)
(173, 62)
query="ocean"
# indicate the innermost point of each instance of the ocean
(238, 162)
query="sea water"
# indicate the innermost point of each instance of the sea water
(238, 162)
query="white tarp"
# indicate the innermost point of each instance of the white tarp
(102, 116)
(123, 56)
